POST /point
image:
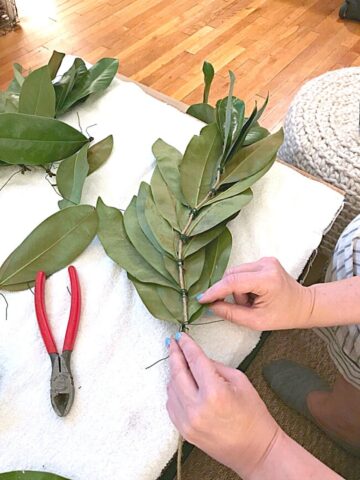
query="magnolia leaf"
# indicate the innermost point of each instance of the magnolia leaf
(33, 140)
(208, 71)
(250, 160)
(149, 294)
(51, 246)
(172, 300)
(193, 266)
(71, 176)
(199, 163)
(230, 114)
(29, 475)
(141, 243)
(218, 212)
(250, 122)
(217, 257)
(171, 267)
(242, 185)
(199, 241)
(255, 134)
(143, 193)
(117, 245)
(37, 96)
(55, 63)
(16, 84)
(99, 153)
(63, 87)
(96, 79)
(169, 207)
(168, 160)
(160, 228)
(203, 112)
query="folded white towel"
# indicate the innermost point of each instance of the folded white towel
(118, 427)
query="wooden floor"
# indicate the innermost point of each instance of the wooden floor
(271, 45)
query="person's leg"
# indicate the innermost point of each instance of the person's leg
(336, 410)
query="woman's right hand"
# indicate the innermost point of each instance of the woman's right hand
(266, 297)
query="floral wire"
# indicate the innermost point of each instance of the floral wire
(88, 128)
(69, 292)
(53, 186)
(10, 178)
(206, 323)
(29, 287)
(7, 305)
(155, 363)
(78, 118)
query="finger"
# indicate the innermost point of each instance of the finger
(181, 377)
(244, 267)
(174, 408)
(241, 298)
(239, 314)
(231, 375)
(236, 283)
(201, 367)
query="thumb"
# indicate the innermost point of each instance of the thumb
(246, 316)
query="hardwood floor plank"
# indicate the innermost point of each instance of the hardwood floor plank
(271, 45)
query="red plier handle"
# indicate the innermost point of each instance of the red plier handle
(74, 316)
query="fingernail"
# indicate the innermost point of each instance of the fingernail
(209, 312)
(167, 342)
(199, 296)
(177, 336)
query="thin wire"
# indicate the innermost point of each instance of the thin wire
(7, 305)
(29, 288)
(155, 363)
(78, 118)
(206, 323)
(52, 185)
(90, 126)
(10, 178)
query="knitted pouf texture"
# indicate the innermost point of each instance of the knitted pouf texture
(322, 137)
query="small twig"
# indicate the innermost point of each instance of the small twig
(179, 457)
(155, 363)
(7, 305)
(10, 178)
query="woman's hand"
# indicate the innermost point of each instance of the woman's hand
(217, 409)
(266, 297)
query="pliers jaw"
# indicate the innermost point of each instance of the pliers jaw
(61, 383)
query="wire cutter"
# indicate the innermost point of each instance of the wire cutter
(61, 384)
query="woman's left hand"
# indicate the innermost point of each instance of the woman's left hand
(217, 409)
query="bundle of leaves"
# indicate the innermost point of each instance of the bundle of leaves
(173, 239)
(30, 135)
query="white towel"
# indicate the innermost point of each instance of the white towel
(118, 427)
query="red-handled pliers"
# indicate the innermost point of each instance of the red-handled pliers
(61, 384)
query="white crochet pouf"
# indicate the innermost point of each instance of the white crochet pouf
(322, 137)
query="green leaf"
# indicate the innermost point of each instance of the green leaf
(171, 267)
(172, 300)
(193, 266)
(37, 95)
(203, 112)
(71, 176)
(217, 257)
(208, 71)
(55, 63)
(22, 475)
(199, 241)
(99, 153)
(162, 231)
(16, 84)
(149, 294)
(250, 160)
(255, 134)
(97, 79)
(170, 208)
(230, 113)
(143, 193)
(64, 86)
(168, 160)
(243, 185)
(117, 245)
(198, 166)
(33, 140)
(141, 243)
(51, 246)
(218, 212)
